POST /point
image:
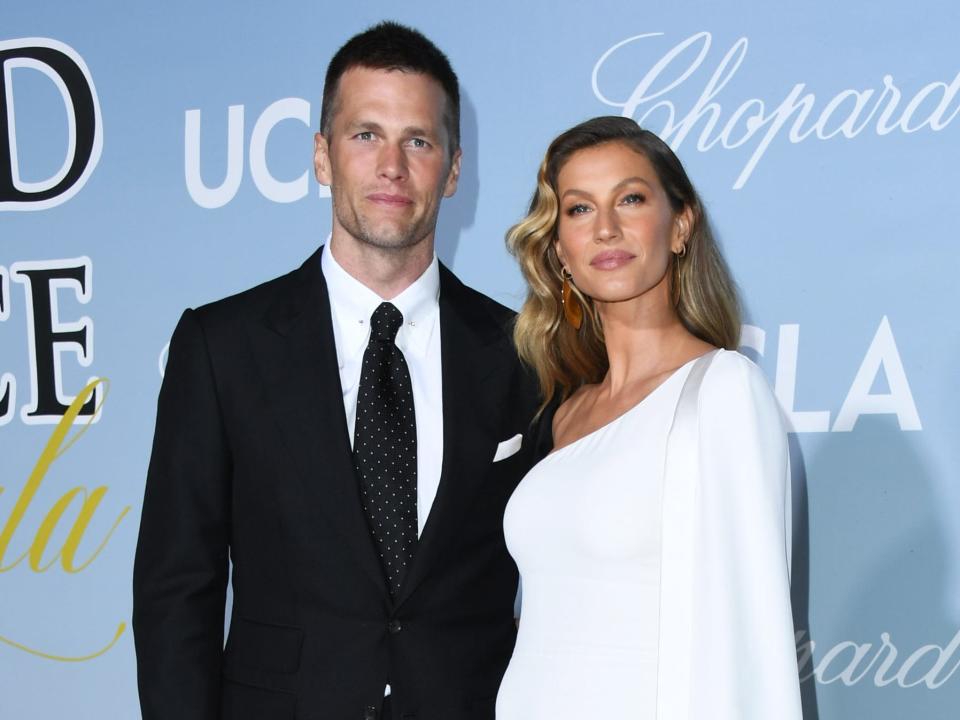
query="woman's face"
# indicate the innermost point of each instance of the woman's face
(616, 230)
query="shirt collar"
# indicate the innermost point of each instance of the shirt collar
(353, 303)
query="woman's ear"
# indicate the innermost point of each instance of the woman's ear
(682, 227)
(559, 251)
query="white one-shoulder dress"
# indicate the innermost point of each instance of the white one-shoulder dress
(584, 527)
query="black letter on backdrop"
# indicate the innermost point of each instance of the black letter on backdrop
(42, 282)
(6, 381)
(84, 110)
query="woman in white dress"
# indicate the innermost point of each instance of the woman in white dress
(654, 542)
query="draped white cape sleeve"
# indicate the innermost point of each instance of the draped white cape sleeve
(726, 630)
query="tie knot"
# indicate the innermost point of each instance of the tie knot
(385, 322)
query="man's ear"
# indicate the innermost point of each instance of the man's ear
(321, 160)
(450, 187)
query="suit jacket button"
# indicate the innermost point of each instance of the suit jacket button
(394, 627)
(369, 713)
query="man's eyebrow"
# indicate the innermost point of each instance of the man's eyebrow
(372, 126)
(417, 130)
(362, 125)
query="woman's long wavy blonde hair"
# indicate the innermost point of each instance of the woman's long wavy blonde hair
(564, 358)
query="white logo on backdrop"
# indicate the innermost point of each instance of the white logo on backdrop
(882, 354)
(848, 113)
(276, 190)
(162, 359)
(850, 663)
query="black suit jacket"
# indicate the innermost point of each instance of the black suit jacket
(251, 463)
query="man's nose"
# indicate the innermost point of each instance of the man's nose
(392, 162)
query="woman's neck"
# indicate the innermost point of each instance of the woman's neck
(644, 338)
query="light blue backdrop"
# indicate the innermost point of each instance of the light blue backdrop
(823, 136)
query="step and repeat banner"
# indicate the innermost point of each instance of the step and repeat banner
(158, 156)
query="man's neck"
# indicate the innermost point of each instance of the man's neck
(388, 272)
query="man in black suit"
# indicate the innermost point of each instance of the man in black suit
(348, 436)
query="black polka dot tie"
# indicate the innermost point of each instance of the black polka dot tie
(385, 446)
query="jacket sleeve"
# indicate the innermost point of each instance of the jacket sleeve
(181, 567)
(744, 656)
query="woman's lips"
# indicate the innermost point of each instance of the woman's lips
(611, 259)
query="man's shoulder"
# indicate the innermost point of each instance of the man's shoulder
(256, 302)
(490, 325)
(479, 305)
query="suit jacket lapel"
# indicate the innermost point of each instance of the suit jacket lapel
(299, 358)
(468, 347)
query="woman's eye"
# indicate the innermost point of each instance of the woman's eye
(578, 209)
(634, 199)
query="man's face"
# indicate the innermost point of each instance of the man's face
(385, 158)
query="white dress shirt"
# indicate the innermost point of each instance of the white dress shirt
(352, 303)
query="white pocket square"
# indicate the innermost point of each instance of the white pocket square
(508, 447)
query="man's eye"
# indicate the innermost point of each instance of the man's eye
(578, 209)
(419, 143)
(634, 199)
(365, 135)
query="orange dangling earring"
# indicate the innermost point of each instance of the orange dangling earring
(678, 275)
(572, 309)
